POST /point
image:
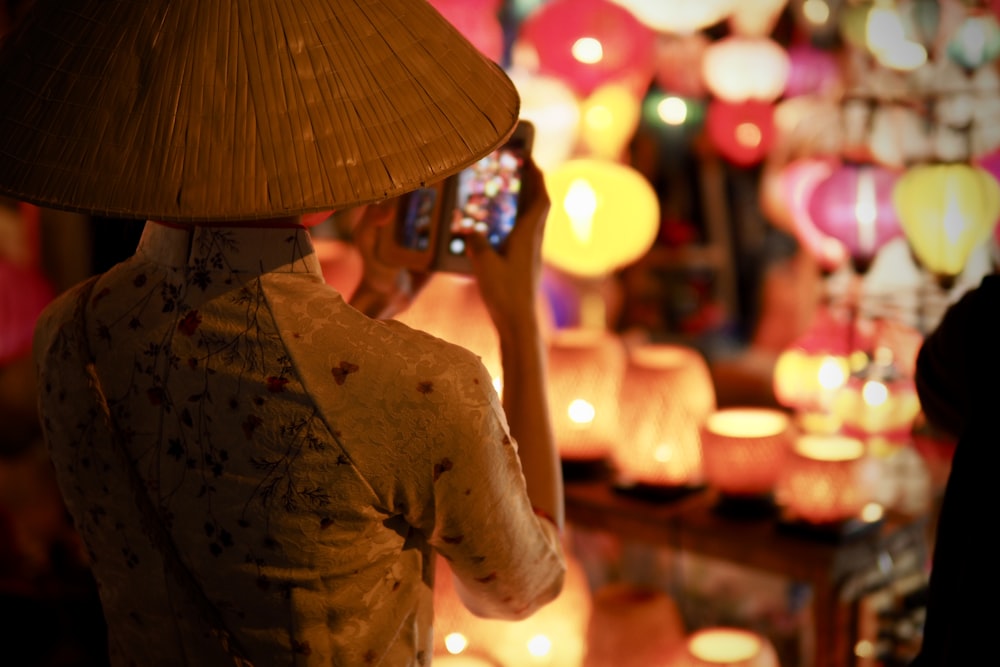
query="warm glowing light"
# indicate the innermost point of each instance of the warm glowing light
(749, 135)
(580, 205)
(724, 646)
(598, 118)
(816, 12)
(864, 649)
(672, 110)
(832, 373)
(829, 447)
(663, 452)
(872, 512)
(747, 422)
(874, 393)
(581, 412)
(865, 211)
(539, 646)
(588, 50)
(455, 642)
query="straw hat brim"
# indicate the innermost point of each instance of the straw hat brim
(215, 110)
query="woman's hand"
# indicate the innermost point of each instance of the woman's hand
(385, 289)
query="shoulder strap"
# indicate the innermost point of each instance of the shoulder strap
(151, 517)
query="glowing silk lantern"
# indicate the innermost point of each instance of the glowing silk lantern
(812, 71)
(678, 64)
(878, 400)
(854, 205)
(742, 132)
(725, 647)
(946, 210)
(341, 263)
(478, 22)
(588, 43)
(604, 215)
(738, 68)
(797, 182)
(586, 367)
(666, 395)
(554, 109)
(680, 17)
(610, 116)
(976, 42)
(743, 449)
(827, 479)
(632, 626)
(24, 293)
(755, 18)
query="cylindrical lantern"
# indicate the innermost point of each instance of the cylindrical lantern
(743, 449)
(826, 479)
(586, 367)
(666, 395)
(725, 647)
(588, 43)
(737, 69)
(742, 132)
(946, 210)
(854, 205)
(604, 215)
(632, 626)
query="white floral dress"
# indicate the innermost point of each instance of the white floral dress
(306, 459)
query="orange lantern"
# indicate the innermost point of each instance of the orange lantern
(742, 132)
(946, 210)
(604, 215)
(666, 395)
(725, 647)
(738, 68)
(878, 400)
(827, 479)
(632, 626)
(743, 449)
(586, 367)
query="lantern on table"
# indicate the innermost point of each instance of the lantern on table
(878, 400)
(632, 625)
(666, 395)
(743, 449)
(828, 483)
(586, 367)
(725, 647)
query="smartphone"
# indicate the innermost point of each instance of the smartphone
(432, 222)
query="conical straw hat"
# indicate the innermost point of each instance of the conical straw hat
(213, 110)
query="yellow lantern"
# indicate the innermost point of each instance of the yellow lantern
(604, 215)
(609, 116)
(725, 647)
(946, 210)
(554, 109)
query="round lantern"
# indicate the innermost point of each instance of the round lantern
(854, 205)
(604, 215)
(946, 210)
(554, 109)
(826, 479)
(976, 42)
(609, 117)
(588, 43)
(666, 395)
(812, 71)
(878, 400)
(738, 68)
(725, 647)
(586, 367)
(743, 449)
(742, 132)
(671, 117)
(678, 63)
(797, 182)
(679, 17)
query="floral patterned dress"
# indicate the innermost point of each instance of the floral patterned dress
(306, 460)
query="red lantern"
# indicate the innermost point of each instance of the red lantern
(588, 43)
(854, 205)
(743, 132)
(24, 293)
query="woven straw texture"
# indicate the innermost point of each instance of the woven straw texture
(216, 110)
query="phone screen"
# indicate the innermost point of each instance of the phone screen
(486, 198)
(417, 220)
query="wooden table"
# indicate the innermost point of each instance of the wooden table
(692, 523)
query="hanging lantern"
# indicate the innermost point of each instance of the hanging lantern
(898, 136)
(743, 448)
(817, 19)
(609, 117)
(588, 43)
(946, 210)
(678, 63)
(666, 395)
(725, 647)
(797, 182)
(854, 205)
(742, 132)
(478, 22)
(737, 69)
(755, 18)
(585, 377)
(812, 71)
(976, 42)
(878, 400)
(672, 117)
(554, 109)
(827, 479)
(604, 215)
(679, 17)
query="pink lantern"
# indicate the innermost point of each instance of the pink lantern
(854, 205)
(588, 43)
(478, 22)
(798, 181)
(24, 293)
(812, 71)
(743, 132)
